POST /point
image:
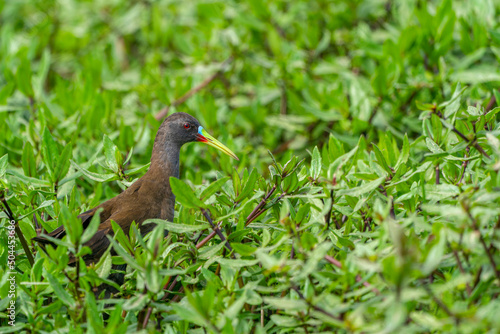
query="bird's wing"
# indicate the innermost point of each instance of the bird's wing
(85, 217)
(130, 210)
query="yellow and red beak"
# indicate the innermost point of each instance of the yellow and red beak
(204, 137)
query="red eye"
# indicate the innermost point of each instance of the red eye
(187, 125)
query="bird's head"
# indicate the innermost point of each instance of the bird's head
(183, 128)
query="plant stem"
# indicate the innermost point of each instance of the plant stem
(19, 233)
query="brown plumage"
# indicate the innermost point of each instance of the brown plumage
(150, 196)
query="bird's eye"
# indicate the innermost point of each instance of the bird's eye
(187, 125)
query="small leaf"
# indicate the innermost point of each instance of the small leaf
(381, 159)
(94, 176)
(315, 163)
(60, 292)
(136, 303)
(362, 189)
(112, 154)
(184, 194)
(50, 153)
(92, 227)
(432, 146)
(405, 153)
(4, 160)
(63, 162)
(178, 228)
(249, 186)
(213, 188)
(28, 160)
(243, 249)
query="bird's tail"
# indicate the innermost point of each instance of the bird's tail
(58, 233)
(99, 243)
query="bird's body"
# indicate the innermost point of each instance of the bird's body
(151, 195)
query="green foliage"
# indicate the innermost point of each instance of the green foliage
(366, 198)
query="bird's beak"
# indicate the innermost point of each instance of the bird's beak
(204, 137)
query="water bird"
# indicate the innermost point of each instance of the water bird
(151, 195)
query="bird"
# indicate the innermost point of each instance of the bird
(150, 196)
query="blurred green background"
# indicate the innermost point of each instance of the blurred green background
(79, 77)
(296, 71)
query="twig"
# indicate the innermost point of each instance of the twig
(216, 229)
(481, 239)
(163, 112)
(19, 233)
(262, 315)
(284, 100)
(315, 307)
(461, 268)
(461, 135)
(440, 303)
(464, 165)
(146, 318)
(491, 104)
(375, 110)
(473, 143)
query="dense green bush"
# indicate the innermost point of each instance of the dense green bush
(367, 195)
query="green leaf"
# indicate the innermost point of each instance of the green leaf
(60, 292)
(441, 191)
(63, 162)
(184, 194)
(341, 161)
(23, 77)
(44, 204)
(153, 280)
(112, 154)
(362, 189)
(50, 152)
(249, 186)
(315, 163)
(243, 249)
(136, 303)
(381, 159)
(94, 176)
(213, 188)
(405, 153)
(178, 228)
(432, 146)
(434, 256)
(29, 180)
(103, 267)
(28, 160)
(125, 255)
(4, 161)
(92, 227)
(286, 303)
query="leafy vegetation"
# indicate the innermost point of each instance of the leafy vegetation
(367, 195)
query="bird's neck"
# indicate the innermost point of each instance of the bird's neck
(164, 160)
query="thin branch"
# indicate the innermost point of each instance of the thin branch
(315, 307)
(491, 104)
(473, 143)
(483, 242)
(19, 233)
(251, 217)
(216, 229)
(146, 318)
(461, 268)
(440, 303)
(163, 112)
(262, 315)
